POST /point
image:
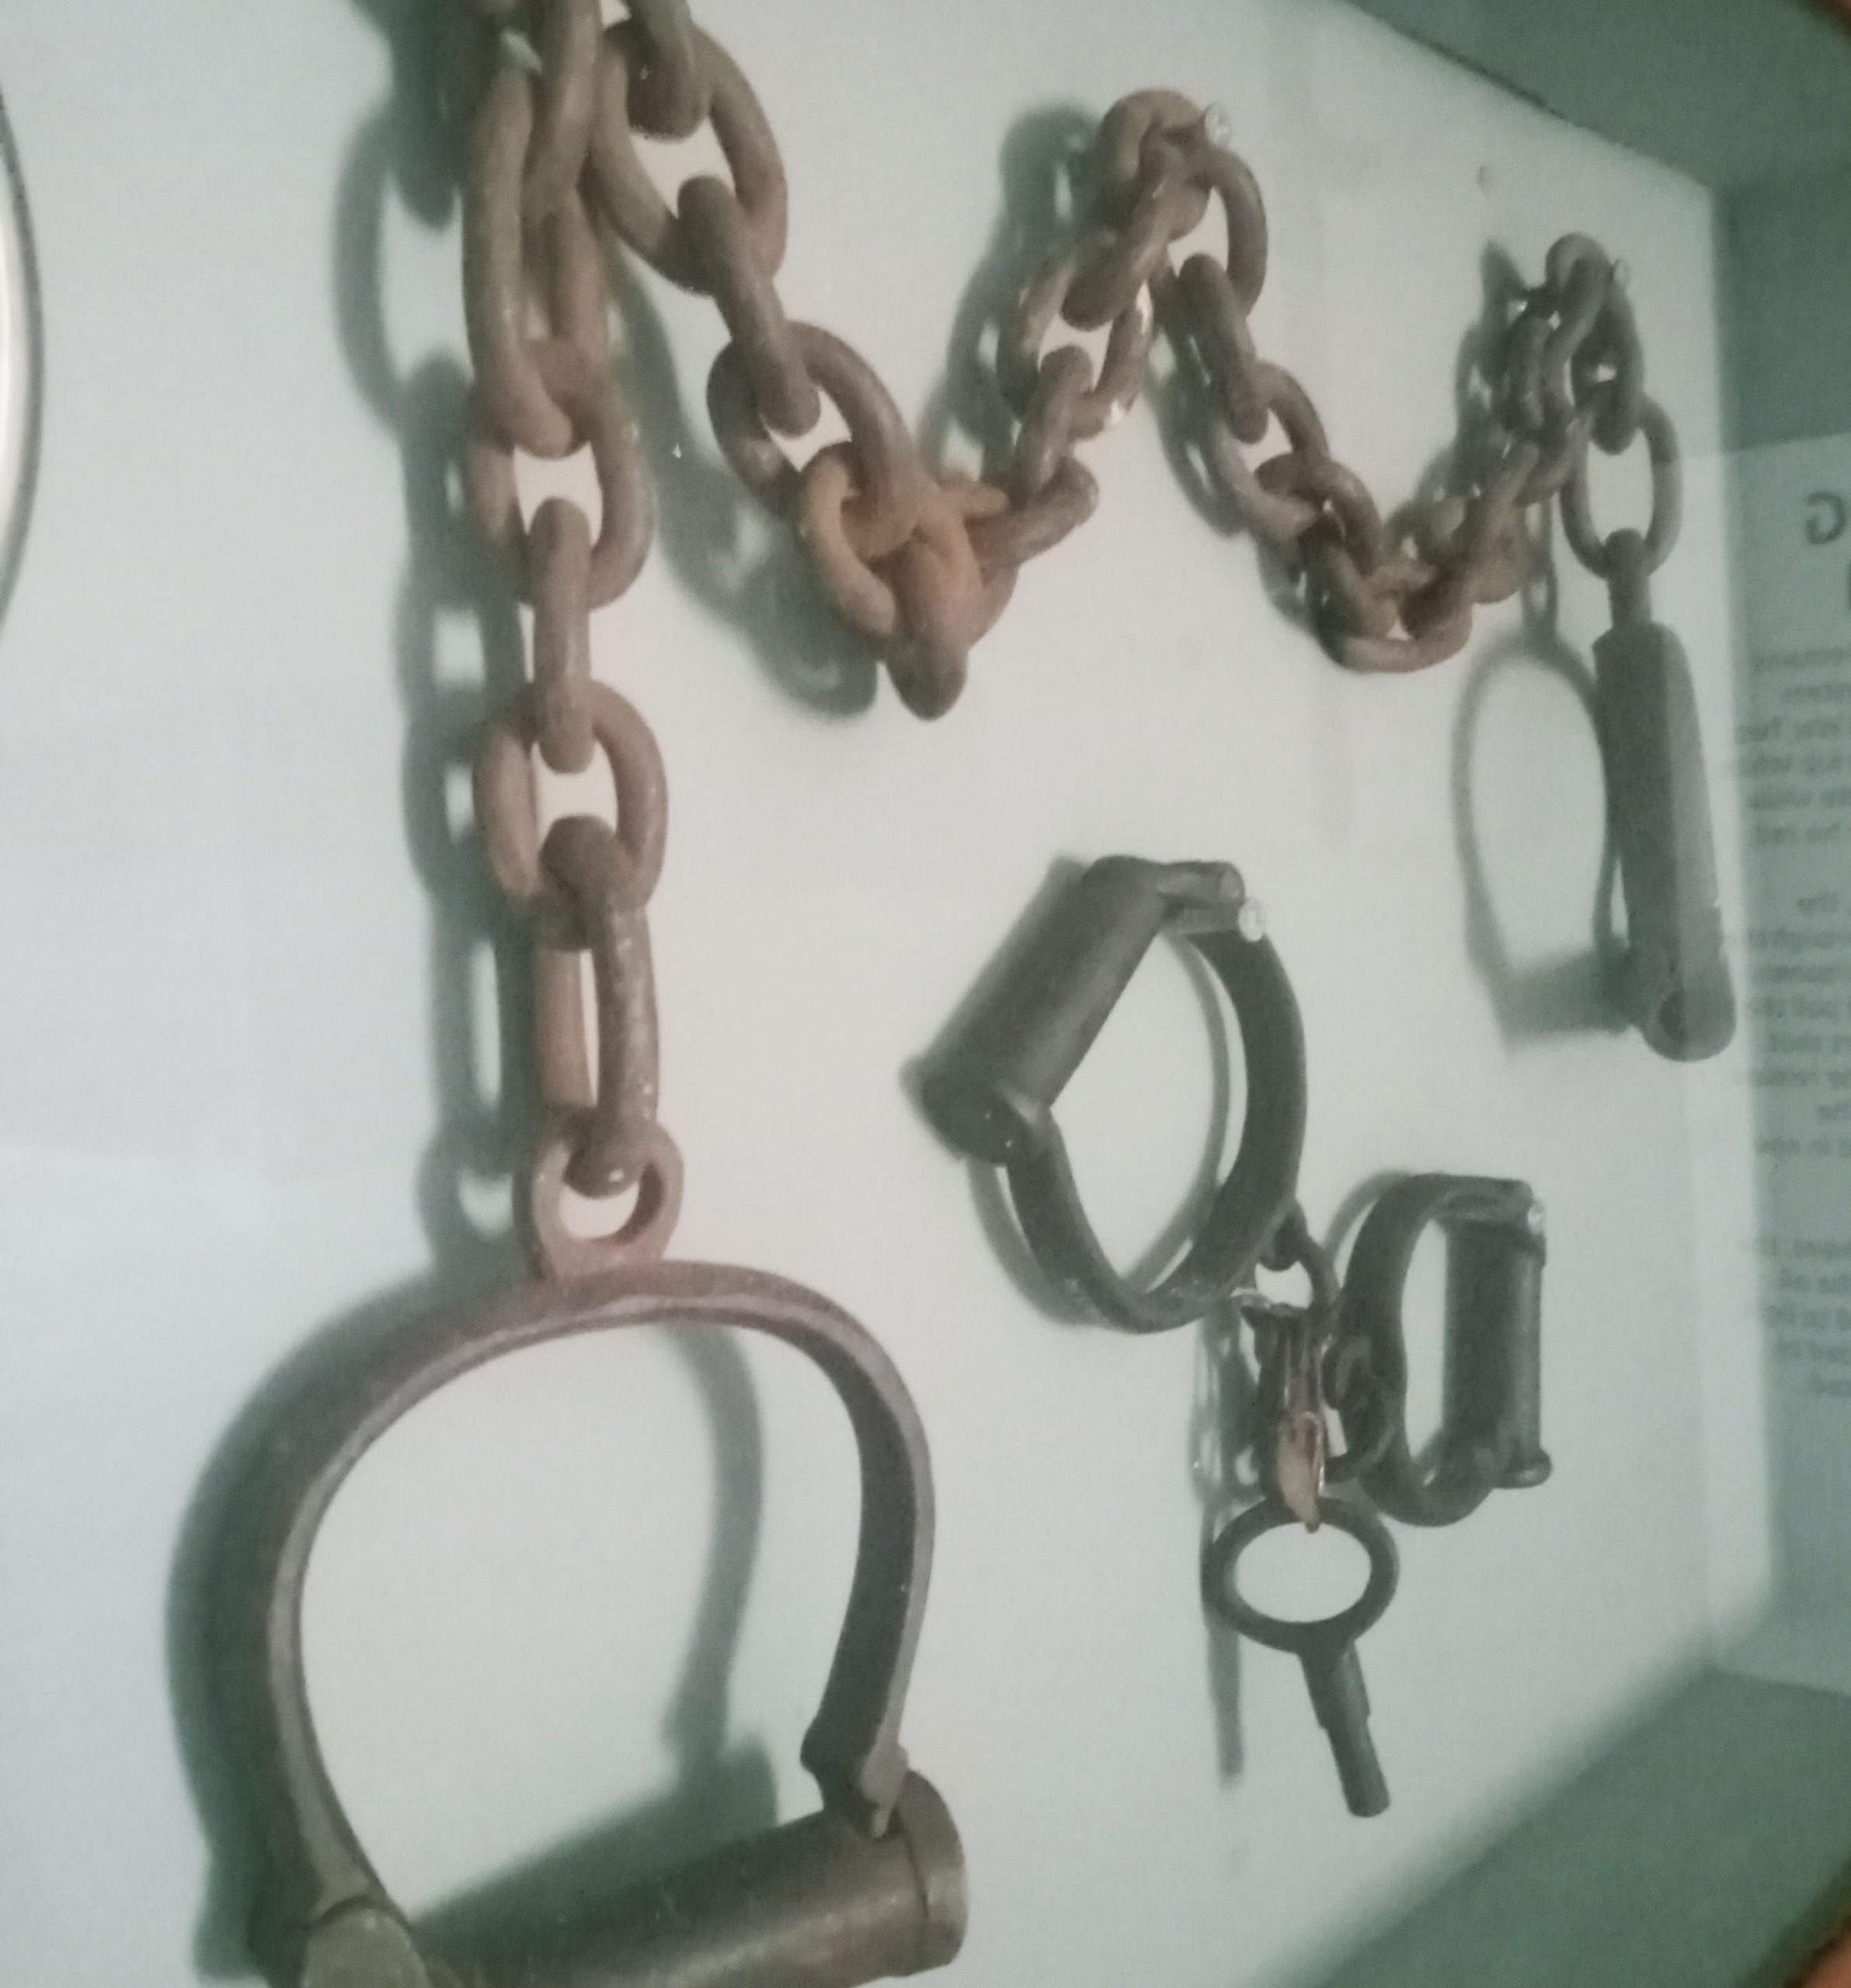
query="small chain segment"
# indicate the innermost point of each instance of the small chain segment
(1570, 373)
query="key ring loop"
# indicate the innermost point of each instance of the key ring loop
(1322, 1633)
(320, 1885)
(992, 1091)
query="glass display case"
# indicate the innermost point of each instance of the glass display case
(1184, 776)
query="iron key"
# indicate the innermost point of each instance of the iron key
(1326, 1648)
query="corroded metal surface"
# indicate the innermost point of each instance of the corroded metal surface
(923, 564)
(872, 1887)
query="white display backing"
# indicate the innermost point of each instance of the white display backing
(1791, 519)
(219, 1088)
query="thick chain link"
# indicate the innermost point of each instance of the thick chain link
(536, 305)
(922, 565)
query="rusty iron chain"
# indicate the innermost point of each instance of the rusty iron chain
(1572, 374)
(921, 563)
(536, 308)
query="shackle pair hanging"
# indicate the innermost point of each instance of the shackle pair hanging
(991, 1083)
(991, 1086)
(872, 1886)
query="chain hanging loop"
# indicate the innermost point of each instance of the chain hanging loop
(628, 195)
(1665, 458)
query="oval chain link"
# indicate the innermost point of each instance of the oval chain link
(631, 203)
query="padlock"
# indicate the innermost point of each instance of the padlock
(872, 1886)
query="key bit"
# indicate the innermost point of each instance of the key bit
(1333, 1678)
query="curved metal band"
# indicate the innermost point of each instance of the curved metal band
(852, 1748)
(22, 364)
(1491, 1438)
(1248, 1206)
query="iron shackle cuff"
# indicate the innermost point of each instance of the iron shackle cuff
(872, 1886)
(1490, 1437)
(994, 1084)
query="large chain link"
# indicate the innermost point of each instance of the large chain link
(921, 563)
(536, 298)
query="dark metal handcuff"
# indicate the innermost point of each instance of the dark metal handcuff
(992, 1086)
(990, 1089)
(872, 1886)
(1677, 988)
(1490, 1432)
(1348, 1349)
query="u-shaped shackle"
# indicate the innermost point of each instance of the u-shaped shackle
(1492, 1436)
(872, 1886)
(994, 1081)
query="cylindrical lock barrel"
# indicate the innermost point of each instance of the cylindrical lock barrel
(816, 1903)
(1494, 1274)
(993, 1083)
(1678, 986)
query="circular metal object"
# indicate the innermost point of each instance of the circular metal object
(22, 379)
(1282, 1632)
